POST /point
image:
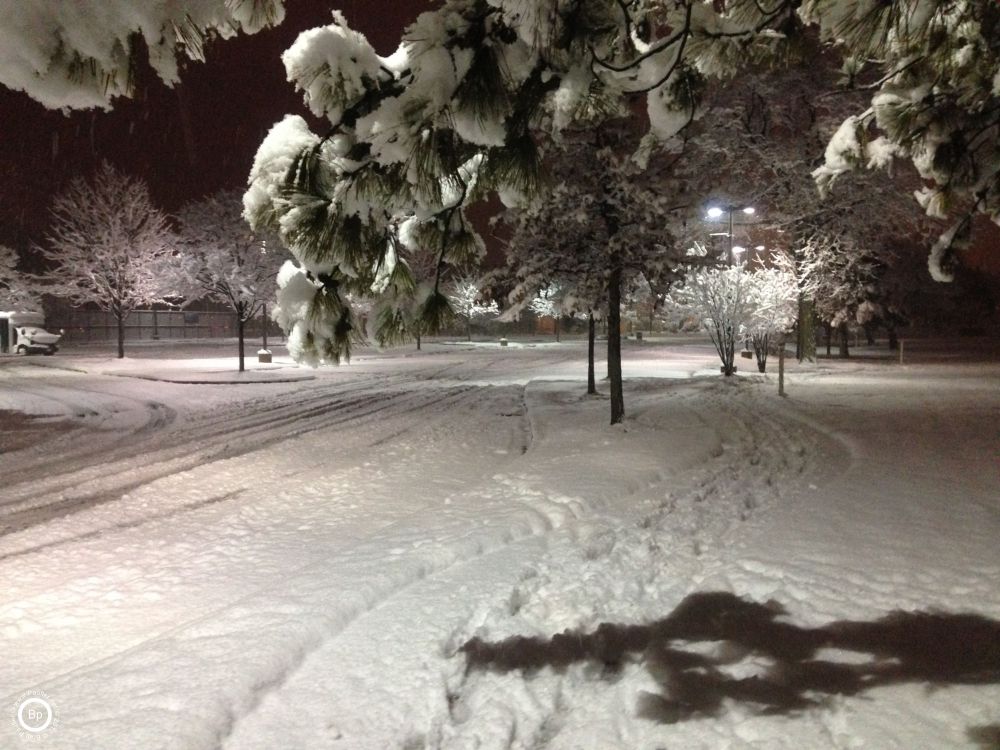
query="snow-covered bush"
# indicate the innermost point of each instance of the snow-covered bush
(773, 296)
(720, 298)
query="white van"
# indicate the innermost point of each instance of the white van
(24, 333)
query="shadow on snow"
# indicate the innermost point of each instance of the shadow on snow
(716, 646)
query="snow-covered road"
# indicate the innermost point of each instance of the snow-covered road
(299, 564)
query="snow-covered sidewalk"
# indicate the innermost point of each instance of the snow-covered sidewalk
(339, 563)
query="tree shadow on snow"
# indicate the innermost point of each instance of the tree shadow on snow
(716, 646)
(986, 737)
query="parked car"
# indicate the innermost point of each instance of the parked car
(25, 333)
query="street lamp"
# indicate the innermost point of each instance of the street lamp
(715, 212)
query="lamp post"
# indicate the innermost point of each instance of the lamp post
(715, 212)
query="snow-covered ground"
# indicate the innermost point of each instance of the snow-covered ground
(451, 549)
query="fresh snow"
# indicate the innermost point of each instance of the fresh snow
(277, 564)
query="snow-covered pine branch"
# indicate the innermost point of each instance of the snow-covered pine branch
(108, 245)
(222, 259)
(78, 55)
(842, 277)
(458, 110)
(935, 102)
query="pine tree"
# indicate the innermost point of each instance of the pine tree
(931, 69)
(458, 113)
(840, 276)
(594, 236)
(460, 110)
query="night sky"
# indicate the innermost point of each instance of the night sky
(185, 142)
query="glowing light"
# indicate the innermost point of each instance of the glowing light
(749, 210)
(715, 212)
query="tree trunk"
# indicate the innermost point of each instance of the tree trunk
(893, 338)
(828, 329)
(727, 336)
(615, 342)
(120, 320)
(870, 334)
(805, 342)
(844, 351)
(781, 367)
(418, 341)
(760, 343)
(240, 325)
(556, 319)
(591, 336)
(468, 328)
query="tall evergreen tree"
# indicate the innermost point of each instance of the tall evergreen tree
(601, 229)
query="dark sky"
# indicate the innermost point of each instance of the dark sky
(185, 142)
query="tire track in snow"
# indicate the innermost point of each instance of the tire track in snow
(306, 574)
(222, 420)
(365, 408)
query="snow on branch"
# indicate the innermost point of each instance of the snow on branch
(79, 55)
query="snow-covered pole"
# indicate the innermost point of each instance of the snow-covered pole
(263, 312)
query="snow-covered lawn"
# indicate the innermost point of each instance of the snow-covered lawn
(379, 556)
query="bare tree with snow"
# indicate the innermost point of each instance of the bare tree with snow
(773, 297)
(108, 245)
(222, 259)
(547, 304)
(720, 298)
(17, 290)
(466, 301)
